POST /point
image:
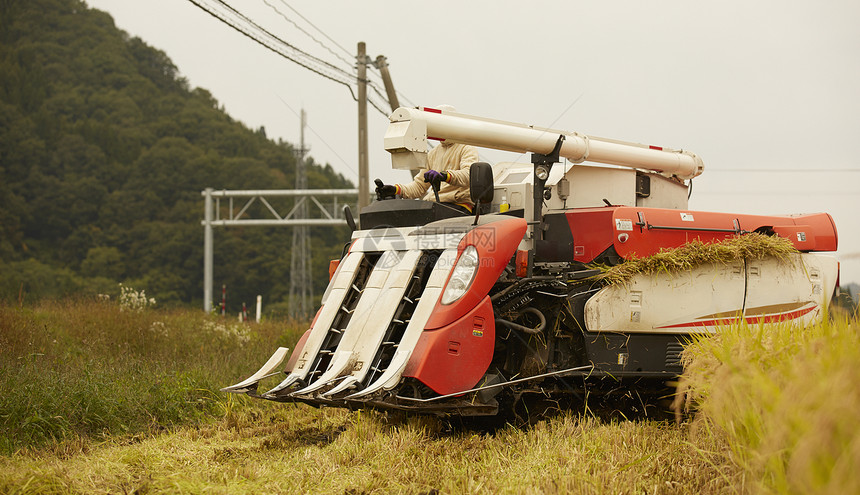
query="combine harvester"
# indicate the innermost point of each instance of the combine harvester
(435, 312)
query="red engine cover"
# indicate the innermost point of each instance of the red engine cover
(641, 232)
(453, 358)
(496, 243)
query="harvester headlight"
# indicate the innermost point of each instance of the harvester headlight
(462, 275)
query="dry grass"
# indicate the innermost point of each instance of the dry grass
(696, 253)
(785, 400)
(296, 449)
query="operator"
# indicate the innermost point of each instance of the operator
(449, 163)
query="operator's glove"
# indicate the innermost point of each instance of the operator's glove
(385, 191)
(435, 178)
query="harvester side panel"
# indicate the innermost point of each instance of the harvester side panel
(675, 303)
(710, 296)
(797, 289)
(456, 356)
(817, 226)
(592, 230)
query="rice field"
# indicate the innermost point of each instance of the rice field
(99, 400)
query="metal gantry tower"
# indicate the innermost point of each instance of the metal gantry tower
(221, 209)
(301, 286)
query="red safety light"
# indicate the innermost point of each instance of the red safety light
(332, 267)
(522, 263)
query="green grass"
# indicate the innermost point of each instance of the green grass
(88, 369)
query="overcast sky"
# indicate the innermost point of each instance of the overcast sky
(766, 92)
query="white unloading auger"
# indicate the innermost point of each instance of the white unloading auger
(410, 128)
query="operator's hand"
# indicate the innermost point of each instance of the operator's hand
(435, 178)
(385, 191)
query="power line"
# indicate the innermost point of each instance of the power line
(250, 35)
(348, 62)
(376, 90)
(340, 76)
(274, 43)
(374, 85)
(265, 31)
(373, 103)
(318, 29)
(321, 139)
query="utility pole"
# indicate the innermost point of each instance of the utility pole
(300, 275)
(208, 251)
(363, 173)
(382, 66)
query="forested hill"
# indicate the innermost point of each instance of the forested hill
(104, 150)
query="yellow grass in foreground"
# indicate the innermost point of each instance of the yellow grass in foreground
(785, 400)
(296, 449)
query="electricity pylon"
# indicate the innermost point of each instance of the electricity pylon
(300, 274)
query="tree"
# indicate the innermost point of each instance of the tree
(104, 150)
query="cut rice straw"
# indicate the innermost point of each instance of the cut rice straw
(746, 247)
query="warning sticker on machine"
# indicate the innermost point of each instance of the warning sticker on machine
(623, 224)
(687, 217)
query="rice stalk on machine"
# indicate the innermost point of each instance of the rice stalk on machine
(435, 312)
